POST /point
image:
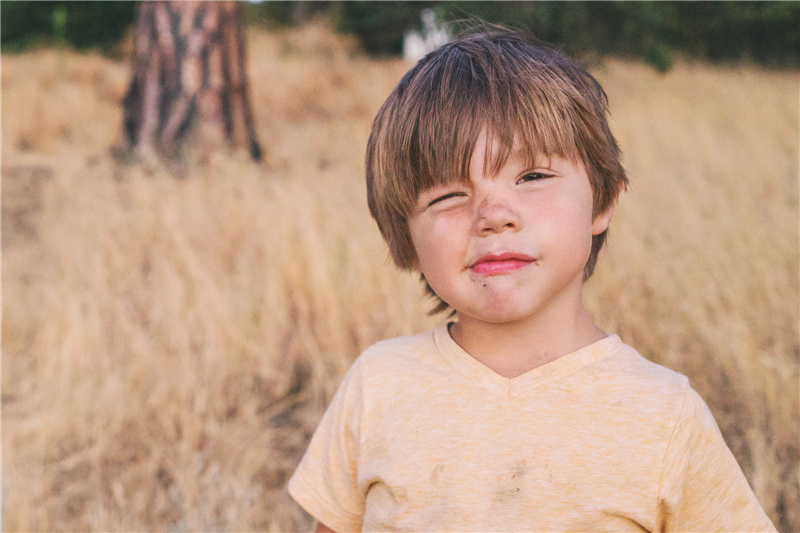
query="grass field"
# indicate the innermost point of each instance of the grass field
(168, 345)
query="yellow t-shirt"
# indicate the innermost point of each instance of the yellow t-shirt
(422, 437)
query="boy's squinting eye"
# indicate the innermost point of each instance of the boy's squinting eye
(444, 197)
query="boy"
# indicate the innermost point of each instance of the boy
(492, 171)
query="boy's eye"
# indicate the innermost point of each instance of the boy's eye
(444, 197)
(533, 176)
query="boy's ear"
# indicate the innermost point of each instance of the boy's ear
(603, 220)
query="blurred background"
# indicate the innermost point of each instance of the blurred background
(763, 33)
(174, 326)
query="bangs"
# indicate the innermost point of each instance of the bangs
(523, 112)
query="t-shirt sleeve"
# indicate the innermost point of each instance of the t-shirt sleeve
(325, 482)
(702, 487)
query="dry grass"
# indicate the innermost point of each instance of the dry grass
(169, 345)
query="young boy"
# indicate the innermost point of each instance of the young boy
(492, 171)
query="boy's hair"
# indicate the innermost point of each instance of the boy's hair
(529, 98)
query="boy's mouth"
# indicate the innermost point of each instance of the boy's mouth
(498, 264)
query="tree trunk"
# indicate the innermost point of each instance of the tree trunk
(188, 86)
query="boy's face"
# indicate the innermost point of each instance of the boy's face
(508, 247)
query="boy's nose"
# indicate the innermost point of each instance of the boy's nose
(495, 215)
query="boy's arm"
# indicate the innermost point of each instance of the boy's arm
(325, 483)
(702, 486)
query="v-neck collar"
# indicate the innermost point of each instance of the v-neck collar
(475, 371)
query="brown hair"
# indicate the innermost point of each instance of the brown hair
(528, 97)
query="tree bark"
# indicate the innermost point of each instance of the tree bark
(189, 87)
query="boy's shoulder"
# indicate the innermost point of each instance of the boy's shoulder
(626, 364)
(403, 345)
(406, 351)
(635, 387)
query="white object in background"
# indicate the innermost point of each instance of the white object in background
(417, 44)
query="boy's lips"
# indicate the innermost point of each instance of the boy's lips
(497, 264)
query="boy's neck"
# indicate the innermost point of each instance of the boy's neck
(513, 348)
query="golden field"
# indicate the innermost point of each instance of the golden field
(168, 345)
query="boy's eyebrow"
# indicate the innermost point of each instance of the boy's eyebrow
(521, 157)
(437, 190)
(524, 153)
(543, 161)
